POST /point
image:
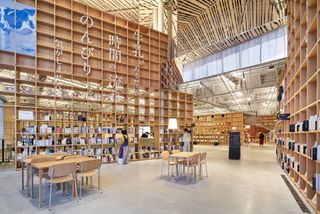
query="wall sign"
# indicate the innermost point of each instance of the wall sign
(25, 115)
(137, 53)
(86, 51)
(58, 51)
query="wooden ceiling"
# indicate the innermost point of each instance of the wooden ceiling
(207, 26)
(204, 26)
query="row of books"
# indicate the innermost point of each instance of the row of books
(170, 139)
(164, 147)
(316, 182)
(312, 124)
(297, 147)
(44, 128)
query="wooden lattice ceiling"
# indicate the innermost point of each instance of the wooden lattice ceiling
(204, 26)
(207, 26)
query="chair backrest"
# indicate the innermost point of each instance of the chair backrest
(175, 151)
(42, 159)
(90, 165)
(62, 169)
(203, 156)
(165, 155)
(195, 158)
(34, 156)
(59, 154)
(72, 157)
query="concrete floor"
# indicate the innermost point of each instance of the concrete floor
(251, 185)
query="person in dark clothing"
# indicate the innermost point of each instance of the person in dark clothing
(261, 137)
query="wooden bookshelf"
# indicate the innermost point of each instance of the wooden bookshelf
(87, 116)
(177, 105)
(302, 96)
(215, 128)
(170, 74)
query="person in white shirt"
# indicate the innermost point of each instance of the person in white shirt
(186, 140)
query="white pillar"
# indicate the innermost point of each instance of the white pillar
(160, 16)
(155, 19)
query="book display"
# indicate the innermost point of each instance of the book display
(214, 129)
(298, 144)
(91, 75)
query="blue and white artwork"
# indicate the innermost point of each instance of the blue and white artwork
(17, 36)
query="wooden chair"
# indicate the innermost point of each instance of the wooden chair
(175, 151)
(194, 162)
(38, 159)
(62, 173)
(72, 157)
(88, 169)
(165, 157)
(203, 161)
(59, 155)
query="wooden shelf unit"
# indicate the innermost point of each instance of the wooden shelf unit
(174, 107)
(152, 106)
(170, 74)
(215, 128)
(302, 95)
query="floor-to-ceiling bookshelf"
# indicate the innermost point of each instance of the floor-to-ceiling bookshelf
(215, 128)
(88, 113)
(302, 99)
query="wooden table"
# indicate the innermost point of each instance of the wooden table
(182, 156)
(27, 163)
(46, 165)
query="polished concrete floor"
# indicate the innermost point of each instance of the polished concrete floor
(251, 185)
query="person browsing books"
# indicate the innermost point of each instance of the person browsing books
(123, 155)
(186, 140)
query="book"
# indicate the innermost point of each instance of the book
(314, 150)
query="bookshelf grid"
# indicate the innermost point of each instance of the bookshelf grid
(302, 99)
(88, 114)
(210, 129)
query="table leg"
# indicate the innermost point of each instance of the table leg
(22, 174)
(188, 173)
(177, 174)
(73, 189)
(99, 185)
(40, 188)
(29, 174)
(168, 166)
(31, 180)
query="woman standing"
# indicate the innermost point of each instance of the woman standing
(124, 147)
(186, 140)
(261, 137)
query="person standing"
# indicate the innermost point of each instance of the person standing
(124, 147)
(186, 140)
(261, 137)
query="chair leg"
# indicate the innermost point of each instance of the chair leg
(81, 187)
(206, 167)
(91, 182)
(32, 187)
(66, 188)
(44, 191)
(161, 168)
(75, 188)
(99, 182)
(50, 196)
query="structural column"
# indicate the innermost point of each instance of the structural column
(160, 16)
